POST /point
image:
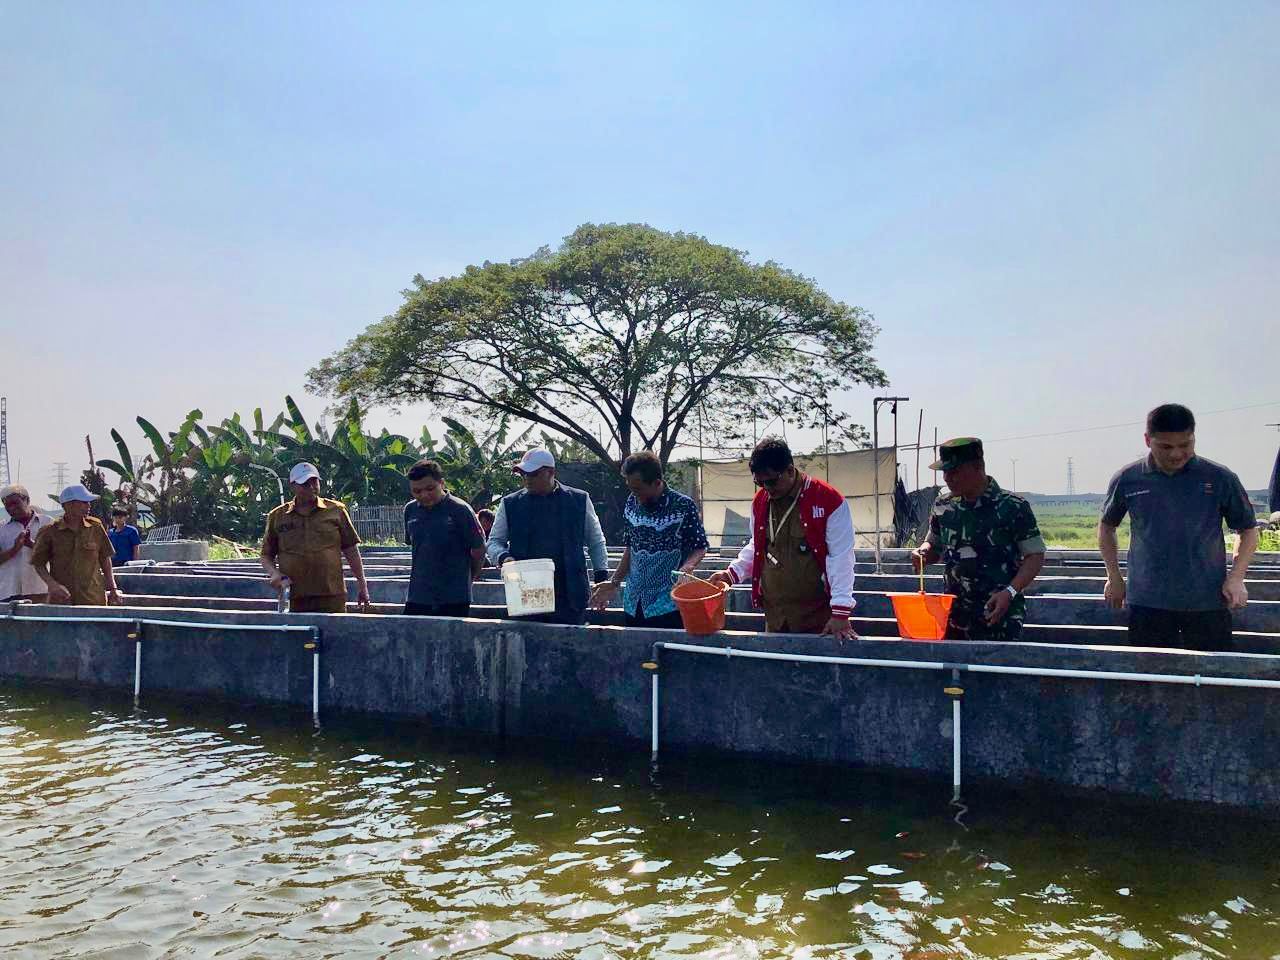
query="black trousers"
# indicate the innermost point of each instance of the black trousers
(412, 609)
(1188, 629)
(663, 621)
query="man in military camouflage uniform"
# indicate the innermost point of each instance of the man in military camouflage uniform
(989, 545)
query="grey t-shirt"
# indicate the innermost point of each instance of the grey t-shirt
(1177, 557)
(442, 538)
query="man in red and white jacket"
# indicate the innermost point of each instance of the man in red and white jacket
(800, 555)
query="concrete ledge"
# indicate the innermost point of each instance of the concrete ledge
(172, 550)
(585, 683)
(1260, 616)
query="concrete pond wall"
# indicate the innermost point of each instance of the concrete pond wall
(1183, 743)
(1070, 609)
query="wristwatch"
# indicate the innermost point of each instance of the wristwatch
(1012, 591)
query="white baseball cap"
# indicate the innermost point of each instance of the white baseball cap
(535, 460)
(302, 472)
(76, 491)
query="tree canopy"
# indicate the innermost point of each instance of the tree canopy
(654, 338)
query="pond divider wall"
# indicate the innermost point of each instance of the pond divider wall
(1185, 743)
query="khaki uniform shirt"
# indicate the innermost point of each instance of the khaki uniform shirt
(74, 556)
(308, 547)
(795, 598)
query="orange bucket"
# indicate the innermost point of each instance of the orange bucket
(701, 606)
(922, 616)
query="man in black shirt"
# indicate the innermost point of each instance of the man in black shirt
(448, 548)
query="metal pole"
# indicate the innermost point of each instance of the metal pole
(826, 441)
(137, 661)
(955, 692)
(314, 645)
(955, 748)
(653, 714)
(919, 432)
(1014, 462)
(875, 471)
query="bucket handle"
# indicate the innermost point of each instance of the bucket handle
(677, 574)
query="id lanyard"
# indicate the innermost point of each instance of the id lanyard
(773, 531)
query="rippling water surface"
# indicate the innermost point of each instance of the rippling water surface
(184, 831)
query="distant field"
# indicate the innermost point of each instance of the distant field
(1075, 526)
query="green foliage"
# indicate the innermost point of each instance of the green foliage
(649, 334)
(222, 479)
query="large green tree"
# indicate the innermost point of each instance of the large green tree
(624, 338)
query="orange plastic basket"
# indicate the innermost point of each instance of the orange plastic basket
(922, 616)
(701, 606)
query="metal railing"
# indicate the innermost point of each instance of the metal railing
(379, 523)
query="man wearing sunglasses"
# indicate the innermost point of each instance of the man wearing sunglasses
(800, 555)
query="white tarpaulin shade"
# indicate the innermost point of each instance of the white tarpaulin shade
(726, 492)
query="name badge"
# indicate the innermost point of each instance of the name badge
(771, 558)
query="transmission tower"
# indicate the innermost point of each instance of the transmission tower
(5, 479)
(1071, 478)
(59, 474)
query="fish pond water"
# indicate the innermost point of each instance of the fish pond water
(186, 830)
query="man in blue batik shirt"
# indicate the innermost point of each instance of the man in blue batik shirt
(663, 534)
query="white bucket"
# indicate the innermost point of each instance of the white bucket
(530, 585)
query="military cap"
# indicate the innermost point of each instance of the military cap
(958, 451)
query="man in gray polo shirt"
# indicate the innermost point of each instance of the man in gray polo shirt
(448, 548)
(1179, 593)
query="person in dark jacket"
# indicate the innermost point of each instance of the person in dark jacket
(547, 520)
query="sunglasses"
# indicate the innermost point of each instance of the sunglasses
(770, 482)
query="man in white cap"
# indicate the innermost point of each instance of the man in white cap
(305, 541)
(547, 520)
(18, 579)
(73, 555)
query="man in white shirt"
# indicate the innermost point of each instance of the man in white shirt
(18, 579)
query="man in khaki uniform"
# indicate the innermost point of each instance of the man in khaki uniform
(73, 555)
(305, 541)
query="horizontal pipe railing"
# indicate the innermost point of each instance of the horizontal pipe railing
(1197, 680)
(137, 623)
(955, 692)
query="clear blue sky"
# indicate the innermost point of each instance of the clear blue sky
(1060, 216)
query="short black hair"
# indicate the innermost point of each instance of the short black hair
(645, 463)
(1170, 418)
(119, 511)
(485, 514)
(771, 453)
(426, 468)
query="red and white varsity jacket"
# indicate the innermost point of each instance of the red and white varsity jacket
(828, 528)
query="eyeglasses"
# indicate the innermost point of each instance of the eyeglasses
(768, 482)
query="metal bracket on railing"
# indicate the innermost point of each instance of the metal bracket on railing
(314, 646)
(956, 693)
(654, 668)
(136, 637)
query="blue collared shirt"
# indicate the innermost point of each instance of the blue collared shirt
(661, 537)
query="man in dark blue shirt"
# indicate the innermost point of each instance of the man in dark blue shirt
(1179, 591)
(124, 537)
(448, 549)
